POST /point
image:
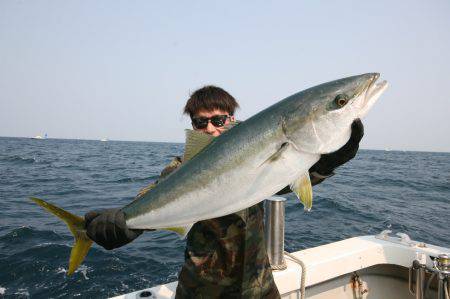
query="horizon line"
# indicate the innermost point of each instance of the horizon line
(178, 142)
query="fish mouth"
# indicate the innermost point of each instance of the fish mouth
(372, 93)
(372, 82)
(374, 86)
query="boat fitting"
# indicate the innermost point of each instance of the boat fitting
(274, 231)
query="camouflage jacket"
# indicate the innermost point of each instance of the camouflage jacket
(226, 257)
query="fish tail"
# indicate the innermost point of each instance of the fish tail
(76, 226)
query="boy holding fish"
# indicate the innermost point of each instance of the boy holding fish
(224, 256)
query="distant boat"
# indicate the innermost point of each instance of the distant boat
(104, 139)
(40, 137)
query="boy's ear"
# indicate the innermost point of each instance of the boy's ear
(232, 118)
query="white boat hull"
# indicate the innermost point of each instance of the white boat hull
(361, 267)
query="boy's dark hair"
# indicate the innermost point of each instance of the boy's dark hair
(209, 98)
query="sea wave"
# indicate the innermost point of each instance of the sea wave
(19, 159)
(135, 179)
(405, 192)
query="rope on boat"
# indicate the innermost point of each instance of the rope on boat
(279, 267)
(303, 278)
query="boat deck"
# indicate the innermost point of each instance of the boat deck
(359, 267)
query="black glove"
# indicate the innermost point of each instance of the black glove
(328, 162)
(108, 228)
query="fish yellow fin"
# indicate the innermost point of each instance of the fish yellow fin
(76, 226)
(303, 189)
(182, 231)
(195, 142)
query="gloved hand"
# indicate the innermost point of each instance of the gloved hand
(108, 228)
(328, 162)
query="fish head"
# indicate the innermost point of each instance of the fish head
(319, 119)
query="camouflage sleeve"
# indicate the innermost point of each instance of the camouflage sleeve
(172, 166)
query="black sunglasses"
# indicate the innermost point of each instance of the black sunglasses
(202, 122)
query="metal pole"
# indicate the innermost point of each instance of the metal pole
(274, 231)
(420, 280)
(441, 288)
(418, 271)
(442, 264)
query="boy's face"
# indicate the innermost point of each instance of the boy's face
(206, 115)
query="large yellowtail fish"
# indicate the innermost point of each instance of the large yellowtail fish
(248, 163)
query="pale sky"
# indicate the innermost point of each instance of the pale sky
(123, 69)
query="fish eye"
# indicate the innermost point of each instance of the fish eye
(341, 100)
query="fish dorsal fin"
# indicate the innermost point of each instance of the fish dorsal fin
(198, 140)
(182, 231)
(195, 142)
(231, 125)
(303, 189)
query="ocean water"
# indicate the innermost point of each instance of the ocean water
(403, 191)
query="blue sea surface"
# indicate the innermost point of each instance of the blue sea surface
(403, 191)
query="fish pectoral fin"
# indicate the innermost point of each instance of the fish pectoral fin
(277, 155)
(196, 141)
(303, 189)
(182, 231)
(76, 226)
